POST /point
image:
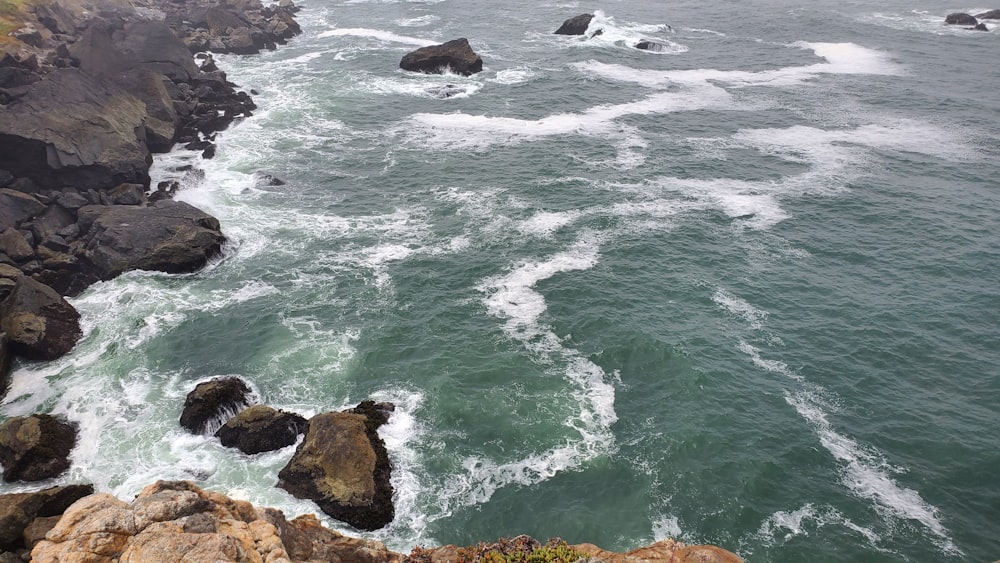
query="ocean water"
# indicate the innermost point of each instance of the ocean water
(744, 291)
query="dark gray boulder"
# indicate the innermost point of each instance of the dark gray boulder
(960, 19)
(19, 510)
(73, 129)
(652, 45)
(456, 56)
(167, 236)
(261, 428)
(343, 467)
(212, 403)
(990, 15)
(36, 447)
(576, 25)
(39, 323)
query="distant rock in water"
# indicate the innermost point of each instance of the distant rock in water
(959, 18)
(446, 91)
(576, 25)
(36, 447)
(991, 15)
(261, 428)
(455, 56)
(652, 45)
(980, 27)
(212, 403)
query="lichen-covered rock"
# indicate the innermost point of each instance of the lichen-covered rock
(666, 550)
(35, 447)
(19, 510)
(342, 466)
(212, 403)
(261, 428)
(39, 323)
(577, 25)
(455, 56)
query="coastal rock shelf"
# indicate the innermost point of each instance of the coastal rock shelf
(87, 95)
(179, 521)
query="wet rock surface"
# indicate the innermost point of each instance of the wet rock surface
(212, 403)
(454, 56)
(36, 447)
(261, 428)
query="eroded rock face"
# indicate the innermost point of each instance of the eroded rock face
(261, 428)
(214, 402)
(177, 521)
(39, 323)
(35, 447)
(456, 56)
(19, 510)
(576, 25)
(343, 467)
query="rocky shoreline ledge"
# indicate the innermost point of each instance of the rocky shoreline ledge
(89, 90)
(179, 521)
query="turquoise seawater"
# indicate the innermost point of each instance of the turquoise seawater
(745, 291)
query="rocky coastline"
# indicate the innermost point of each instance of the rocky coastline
(89, 91)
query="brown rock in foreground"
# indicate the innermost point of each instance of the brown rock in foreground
(343, 467)
(19, 510)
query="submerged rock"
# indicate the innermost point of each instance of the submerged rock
(653, 45)
(212, 403)
(261, 428)
(959, 18)
(576, 25)
(455, 56)
(342, 466)
(36, 447)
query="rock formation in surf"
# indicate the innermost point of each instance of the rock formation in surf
(212, 403)
(342, 465)
(454, 56)
(261, 428)
(179, 521)
(959, 18)
(577, 25)
(36, 447)
(990, 15)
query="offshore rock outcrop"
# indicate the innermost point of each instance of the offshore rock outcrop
(577, 25)
(261, 428)
(179, 521)
(342, 465)
(454, 56)
(212, 403)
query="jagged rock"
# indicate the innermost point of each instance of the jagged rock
(664, 550)
(959, 18)
(261, 429)
(214, 402)
(39, 323)
(17, 207)
(167, 236)
(990, 15)
(343, 467)
(19, 510)
(576, 25)
(72, 129)
(127, 194)
(177, 521)
(35, 447)
(455, 55)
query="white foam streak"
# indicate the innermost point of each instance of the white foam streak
(737, 306)
(864, 473)
(378, 34)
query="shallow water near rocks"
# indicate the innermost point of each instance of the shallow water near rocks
(742, 291)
